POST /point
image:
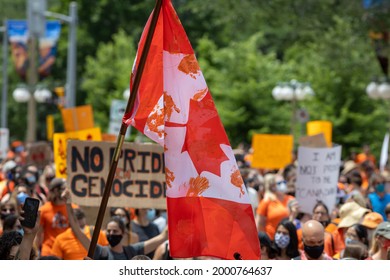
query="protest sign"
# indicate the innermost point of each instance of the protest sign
(77, 118)
(117, 110)
(139, 178)
(316, 127)
(317, 177)
(40, 154)
(272, 151)
(315, 141)
(4, 139)
(60, 144)
(384, 153)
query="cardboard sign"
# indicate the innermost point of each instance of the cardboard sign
(317, 177)
(77, 118)
(109, 137)
(139, 178)
(316, 127)
(4, 145)
(60, 144)
(272, 151)
(39, 154)
(315, 141)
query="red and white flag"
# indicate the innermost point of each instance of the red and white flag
(209, 212)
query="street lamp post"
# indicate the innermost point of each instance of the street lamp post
(292, 91)
(70, 90)
(36, 13)
(4, 99)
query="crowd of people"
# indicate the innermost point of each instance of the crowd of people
(357, 227)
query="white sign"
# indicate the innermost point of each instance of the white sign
(384, 153)
(4, 139)
(117, 110)
(317, 177)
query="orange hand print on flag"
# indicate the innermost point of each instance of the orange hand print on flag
(156, 121)
(169, 177)
(189, 65)
(200, 94)
(169, 106)
(197, 186)
(236, 180)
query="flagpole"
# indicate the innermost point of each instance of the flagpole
(122, 132)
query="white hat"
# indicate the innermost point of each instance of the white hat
(9, 165)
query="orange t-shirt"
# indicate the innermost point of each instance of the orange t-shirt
(67, 247)
(363, 157)
(338, 239)
(329, 246)
(274, 211)
(7, 187)
(54, 220)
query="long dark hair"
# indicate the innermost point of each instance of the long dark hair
(292, 248)
(361, 232)
(120, 223)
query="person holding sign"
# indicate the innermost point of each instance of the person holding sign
(121, 212)
(274, 206)
(114, 232)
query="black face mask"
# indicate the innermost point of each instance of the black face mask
(4, 215)
(114, 239)
(314, 252)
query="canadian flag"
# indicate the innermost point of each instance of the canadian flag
(209, 212)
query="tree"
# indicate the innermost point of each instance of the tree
(107, 75)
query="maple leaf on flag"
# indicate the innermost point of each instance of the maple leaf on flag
(204, 135)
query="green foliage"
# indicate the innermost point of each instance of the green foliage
(107, 75)
(244, 48)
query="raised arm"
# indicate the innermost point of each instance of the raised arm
(72, 221)
(26, 245)
(152, 244)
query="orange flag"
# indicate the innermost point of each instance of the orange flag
(209, 212)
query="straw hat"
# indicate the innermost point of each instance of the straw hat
(349, 166)
(351, 213)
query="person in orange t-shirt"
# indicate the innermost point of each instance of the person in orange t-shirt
(54, 218)
(366, 155)
(66, 245)
(274, 206)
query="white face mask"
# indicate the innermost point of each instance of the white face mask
(281, 186)
(282, 240)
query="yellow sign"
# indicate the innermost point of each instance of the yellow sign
(49, 127)
(60, 145)
(317, 127)
(77, 118)
(272, 151)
